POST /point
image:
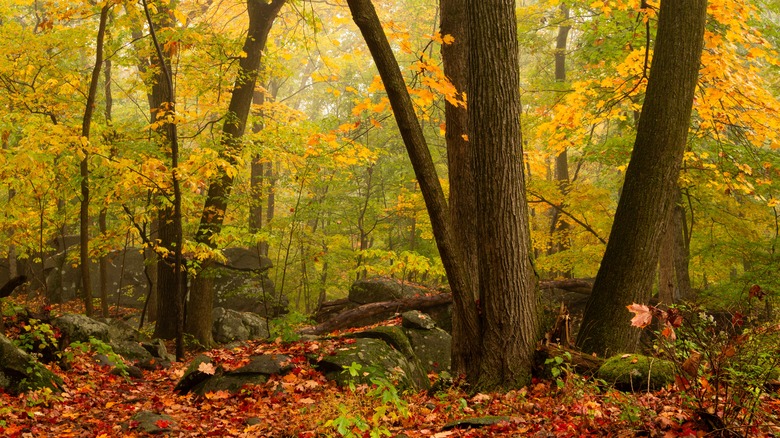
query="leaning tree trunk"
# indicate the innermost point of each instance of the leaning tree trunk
(461, 175)
(507, 290)
(627, 270)
(86, 283)
(559, 229)
(261, 18)
(365, 17)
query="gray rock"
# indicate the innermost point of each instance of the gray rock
(230, 382)
(267, 364)
(432, 347)
(119, 330)
(132, 351)
(158, 350)
(20, 372)
(230, 325)
(193, 377)
(79, 328)
(151, 423)
(378, 289)
(417, 320)
(242, 284)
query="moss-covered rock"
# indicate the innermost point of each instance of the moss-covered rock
(634, 372)
(376, 354)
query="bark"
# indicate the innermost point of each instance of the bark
(164, 280)
(103, 266)
(261, 18)
(176, 260)
(86, 284)
(365, 17)
(628, 267)
(461, 175)
(506, 277)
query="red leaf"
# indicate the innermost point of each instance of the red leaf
(737, 319)
(757, 292)
(162, 424)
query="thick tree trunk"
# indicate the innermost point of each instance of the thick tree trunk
(507, 290)
(86, 284)
(365, 17)
(261, 18)
(461, 175)
(628, 267)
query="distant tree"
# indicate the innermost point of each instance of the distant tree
(650, 188)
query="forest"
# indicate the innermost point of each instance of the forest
(251, 218)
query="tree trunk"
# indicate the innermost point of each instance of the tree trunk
(506, 277)
(461, 175)
(627, 270)
(365, 17)
(261, 18)
(176, 260)
(86, 284)
(559, 229)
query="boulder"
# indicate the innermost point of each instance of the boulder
(415, 319)
(375, 356)
(119, 330)
(257, 371)
(79, 328)
(378, 289)
(634, 372)
(131, 351)
(432, 347)
(230, 325)
(20, 372)
(193, 377)
(241, 284)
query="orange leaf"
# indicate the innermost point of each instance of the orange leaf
(642, 317)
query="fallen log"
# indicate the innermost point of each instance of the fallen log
(352, 318)
(582, 363)
(576, 285)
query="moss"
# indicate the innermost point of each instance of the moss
(634, 372)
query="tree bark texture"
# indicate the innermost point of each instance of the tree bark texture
(261, 18)
(86, 284)
(506, 277)
(628, 267)
(365, 17)
(461, 175)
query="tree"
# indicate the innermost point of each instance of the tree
(628, 267)
(497, 342)
(454, 23)
(86, 284)
(506, 275)
(261, 18)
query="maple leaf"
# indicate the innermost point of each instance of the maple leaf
(207, 368)
(162, 424)
(643, 315)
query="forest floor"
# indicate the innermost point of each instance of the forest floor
(303, 403)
